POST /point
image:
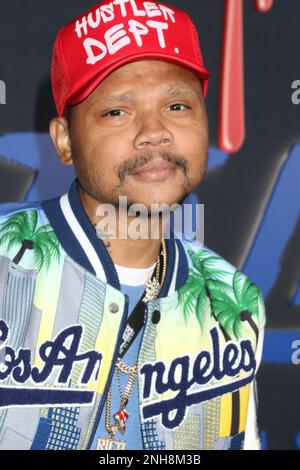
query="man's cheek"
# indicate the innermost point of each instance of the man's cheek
(198, 168)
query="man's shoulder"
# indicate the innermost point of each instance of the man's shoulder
(200, 254)
(19, 216)
(227, 286)
(11, 208)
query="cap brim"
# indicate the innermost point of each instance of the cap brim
(89, 85)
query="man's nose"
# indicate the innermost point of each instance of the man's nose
(153, 133)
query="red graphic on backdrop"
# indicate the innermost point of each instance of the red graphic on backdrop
(232, 106)
(263, 5)
(232, 127)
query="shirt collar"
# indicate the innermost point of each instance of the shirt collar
(78, 238)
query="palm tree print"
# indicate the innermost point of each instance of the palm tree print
(193, 296)
(231, 304)
(21, 229)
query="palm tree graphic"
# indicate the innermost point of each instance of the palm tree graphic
(231, 304)
(21, 229)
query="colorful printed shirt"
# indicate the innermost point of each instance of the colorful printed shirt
(62, 316)
(133, 285)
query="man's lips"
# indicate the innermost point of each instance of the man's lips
(155, 172)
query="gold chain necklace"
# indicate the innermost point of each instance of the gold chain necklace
(108, 443)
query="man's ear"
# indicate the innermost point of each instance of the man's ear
(60, 134)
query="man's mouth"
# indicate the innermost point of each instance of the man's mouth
(155, 172)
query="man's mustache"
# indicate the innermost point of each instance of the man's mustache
(131, 166)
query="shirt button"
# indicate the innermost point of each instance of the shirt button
(155, 317)
(113, 308)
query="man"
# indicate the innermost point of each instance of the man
(113, 338)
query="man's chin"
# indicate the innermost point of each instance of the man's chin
(158, 206)
(160, 200)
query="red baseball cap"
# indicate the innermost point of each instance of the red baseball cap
(115, 33)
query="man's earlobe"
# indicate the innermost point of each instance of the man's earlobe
(60, 134)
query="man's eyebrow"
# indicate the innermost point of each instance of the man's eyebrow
(114, 97)
(176, 90)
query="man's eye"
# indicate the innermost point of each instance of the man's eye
(178, 107)
(114, 113)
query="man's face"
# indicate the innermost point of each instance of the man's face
(142, 133)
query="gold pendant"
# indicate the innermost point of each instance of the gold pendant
(109, 443)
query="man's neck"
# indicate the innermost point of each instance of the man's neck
(125, 250)
(133, 253)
